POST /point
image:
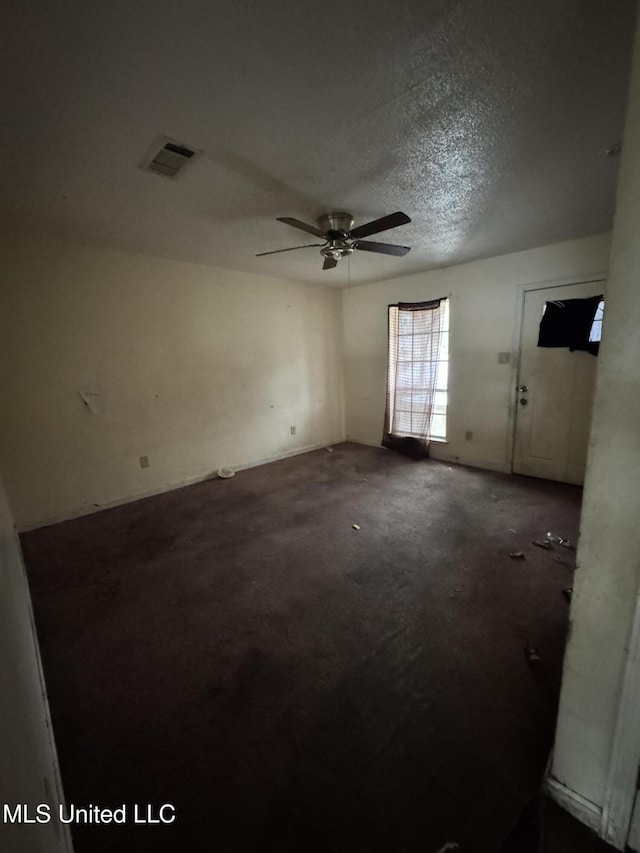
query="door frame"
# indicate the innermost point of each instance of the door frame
(623, 776)
(612, 818)
(516, 346)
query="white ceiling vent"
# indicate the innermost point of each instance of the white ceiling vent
(170, 157)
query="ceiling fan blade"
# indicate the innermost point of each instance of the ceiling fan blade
(292, 249)
(329, 263)
(295, 223)
(382, 248)
(382, 224)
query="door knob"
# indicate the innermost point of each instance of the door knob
(524, 388)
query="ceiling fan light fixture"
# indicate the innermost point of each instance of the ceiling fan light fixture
(337, 249)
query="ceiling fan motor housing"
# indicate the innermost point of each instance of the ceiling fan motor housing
(337, 227)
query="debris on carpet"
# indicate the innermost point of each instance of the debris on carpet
(532, 654)
(558, 540)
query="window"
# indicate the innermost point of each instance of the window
(595, 335)
(572, 323)
(418, 370)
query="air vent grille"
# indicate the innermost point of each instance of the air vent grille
(171, 158)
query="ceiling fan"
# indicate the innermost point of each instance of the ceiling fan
(341, 238)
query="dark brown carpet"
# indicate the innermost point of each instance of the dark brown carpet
(237, 649)
(544, 827)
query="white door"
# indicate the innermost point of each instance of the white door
(554, 395)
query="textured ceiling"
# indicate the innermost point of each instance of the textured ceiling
(485, 121)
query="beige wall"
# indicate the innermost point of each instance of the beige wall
(486, 300)
(197, 368)
(607, 582)
(28, 763)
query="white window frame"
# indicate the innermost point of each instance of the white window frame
(440, 406)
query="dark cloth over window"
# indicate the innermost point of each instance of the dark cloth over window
(567, 323)
(415, 448)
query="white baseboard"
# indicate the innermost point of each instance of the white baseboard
(438, 453)
(584, 810)
(377, 444)
(79, 512)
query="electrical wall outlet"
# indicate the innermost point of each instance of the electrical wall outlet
(468, 435)
(144, 461)
(293, 430)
